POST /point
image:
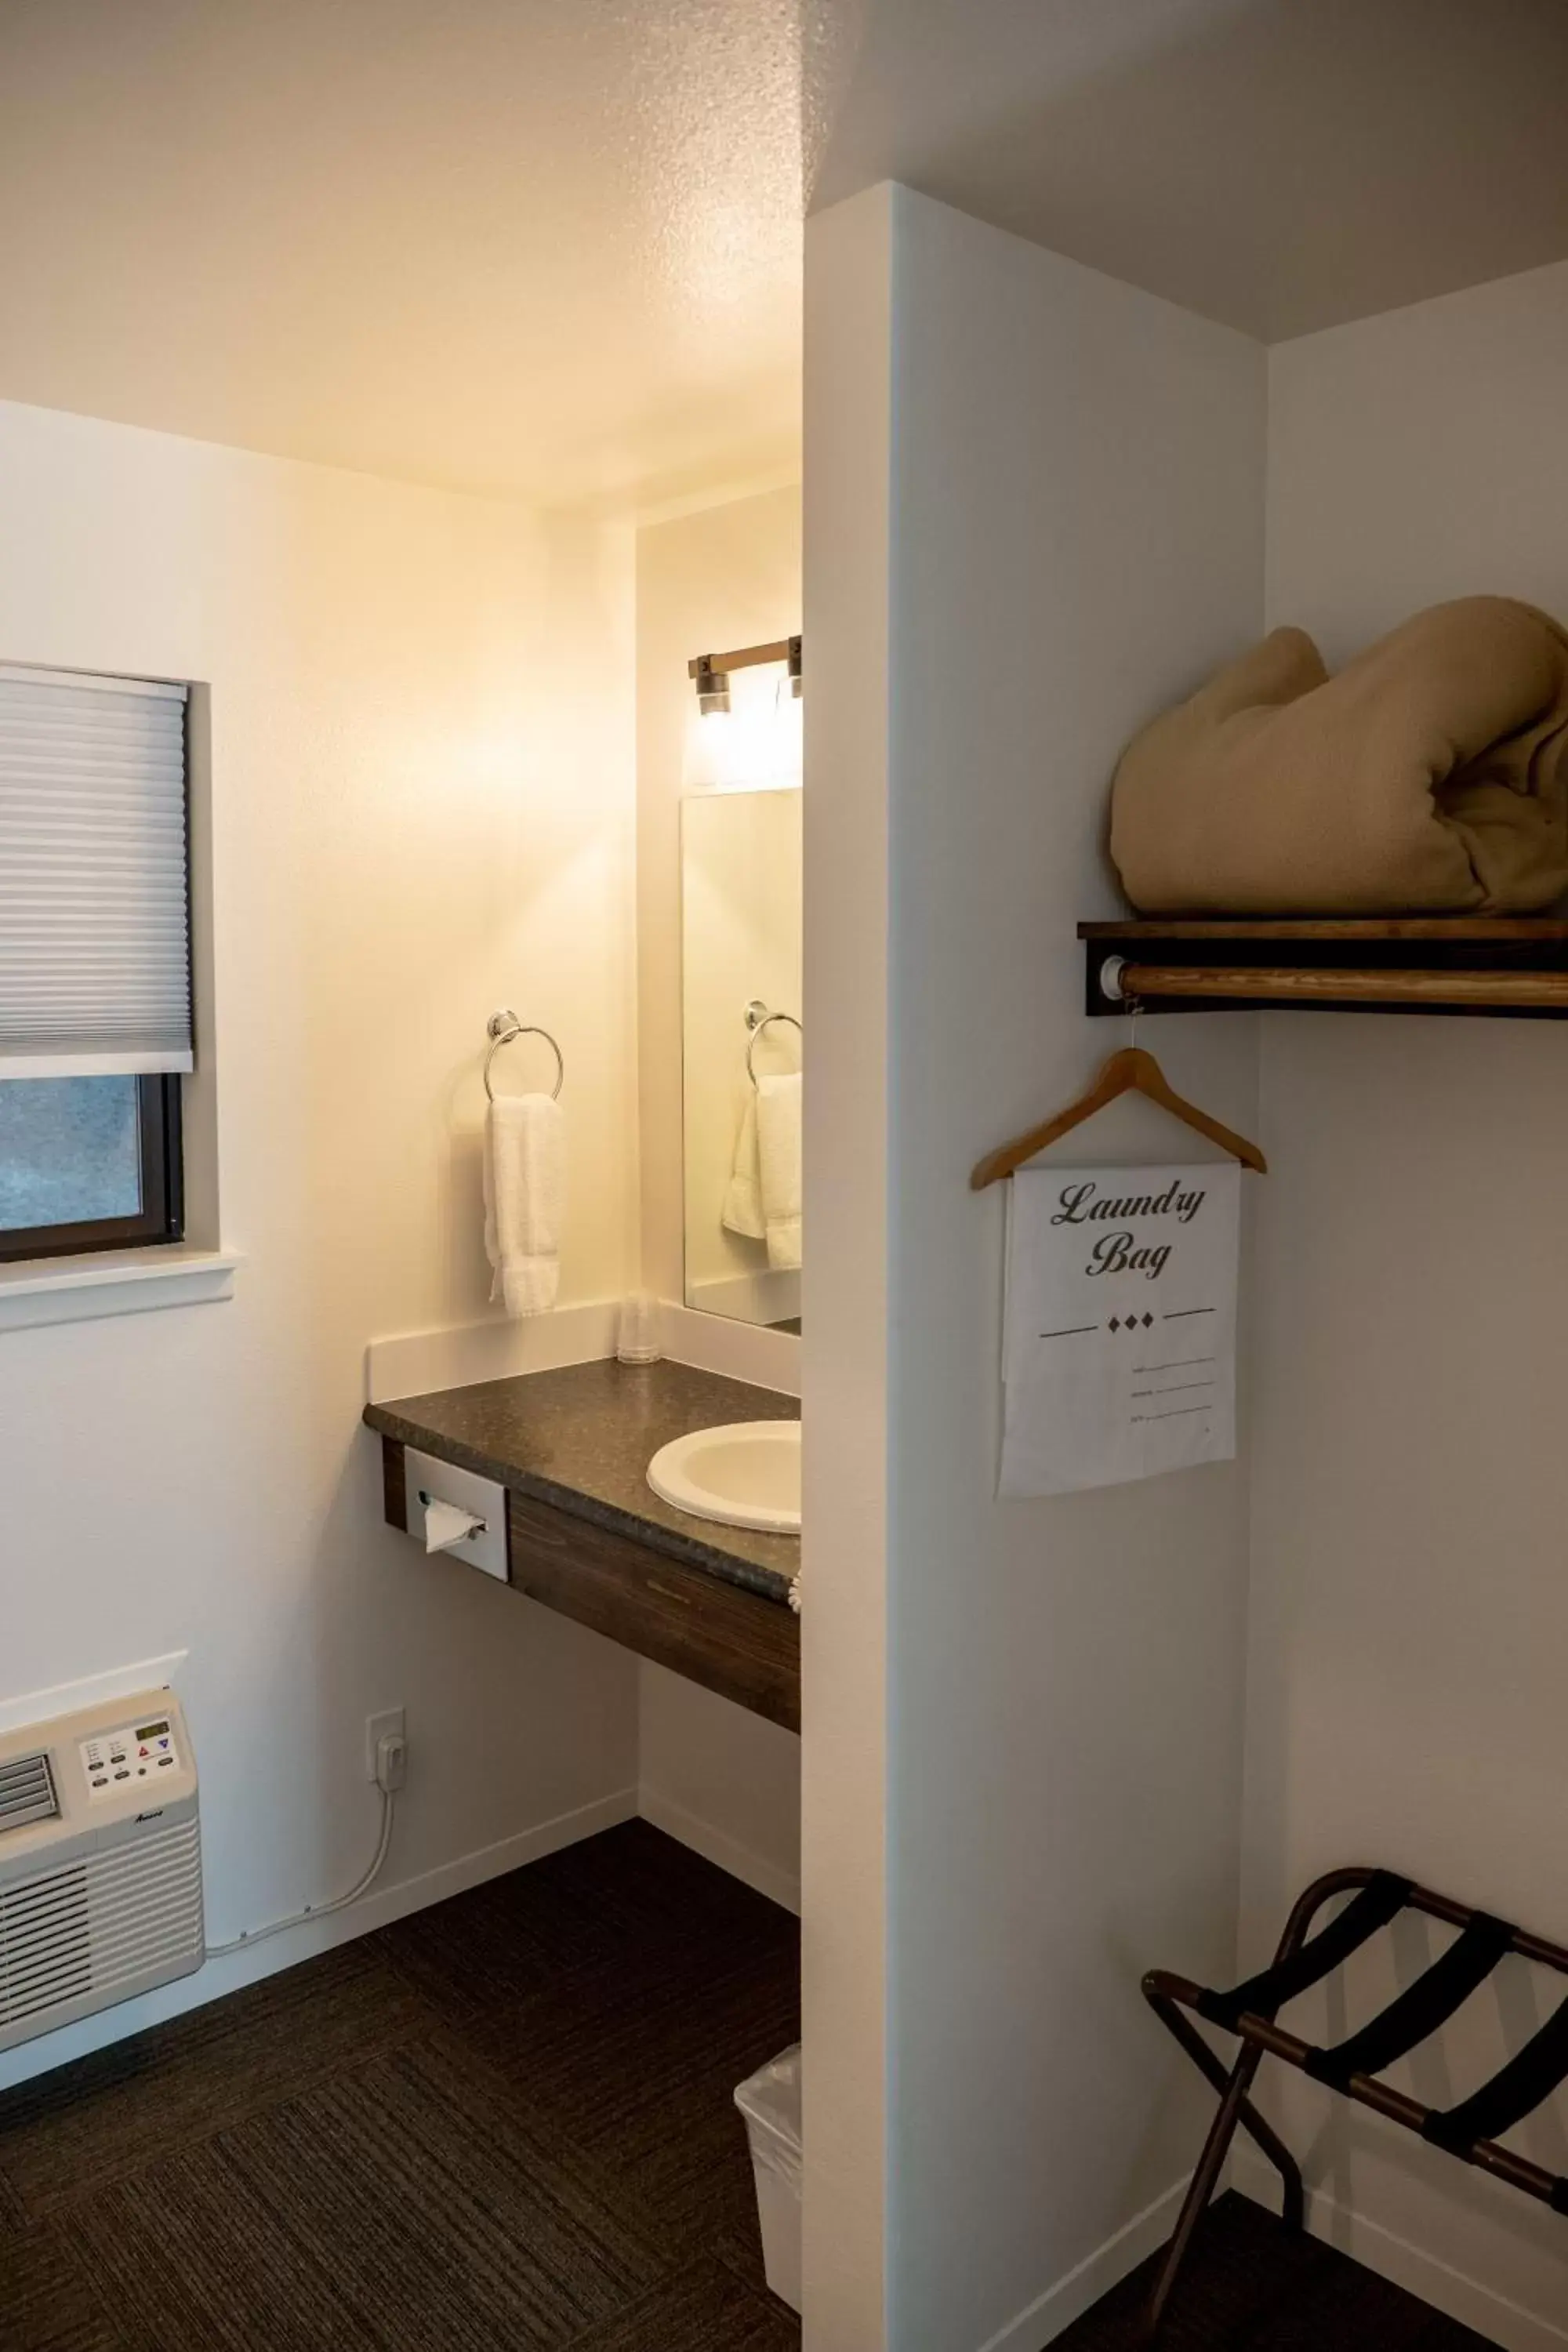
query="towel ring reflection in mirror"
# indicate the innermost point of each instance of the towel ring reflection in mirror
(758, 1020)
(501, 1028)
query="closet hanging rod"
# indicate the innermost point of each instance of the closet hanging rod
(1123, 983)
(1491, 966)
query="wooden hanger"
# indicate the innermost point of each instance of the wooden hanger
(1132, 1071)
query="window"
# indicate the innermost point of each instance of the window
(88, 1164)
(95, 1000)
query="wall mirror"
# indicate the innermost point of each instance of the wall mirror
(742, 1049)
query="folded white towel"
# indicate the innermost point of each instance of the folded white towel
(742, 1210)
(525, 1191)
(778, 1150)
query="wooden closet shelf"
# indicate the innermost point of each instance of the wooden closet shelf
(1466, 964)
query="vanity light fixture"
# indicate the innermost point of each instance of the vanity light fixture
(712, 685)
(710, 672)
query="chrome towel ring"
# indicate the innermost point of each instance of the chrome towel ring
(758, 1020)
(501, 1028)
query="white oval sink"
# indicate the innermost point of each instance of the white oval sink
(745, 1475)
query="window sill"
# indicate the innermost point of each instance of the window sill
(120, 1282)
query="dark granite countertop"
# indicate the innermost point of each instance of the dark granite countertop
(583, 1437)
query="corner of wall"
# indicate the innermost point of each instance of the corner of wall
(844, 1627)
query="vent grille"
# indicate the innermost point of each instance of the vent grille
(102, 1928)
(46, 1943)
(26, 1791)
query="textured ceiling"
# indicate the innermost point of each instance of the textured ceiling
(1280, 164)
(553, 247)
(550, 247)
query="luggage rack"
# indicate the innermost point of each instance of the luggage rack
(1471, 2130)
(1466, 964)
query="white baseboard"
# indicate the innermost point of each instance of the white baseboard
(415, 1363)
(302, 1943)
(740, 1352)
(727, 1853)
(1079, 2290)
(1467, 2300)
(769, 1296)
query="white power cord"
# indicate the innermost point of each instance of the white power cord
(361, 1887)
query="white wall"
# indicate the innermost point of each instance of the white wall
(1032, 524)
(422, 808)
(1410, 1604)
(843, 1290)
(722, 1779)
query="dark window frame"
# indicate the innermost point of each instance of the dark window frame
(162, 1216)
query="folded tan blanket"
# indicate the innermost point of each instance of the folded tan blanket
(1431, 775)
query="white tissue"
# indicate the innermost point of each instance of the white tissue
(445, 1525)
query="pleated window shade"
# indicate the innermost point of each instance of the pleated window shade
(95, 962)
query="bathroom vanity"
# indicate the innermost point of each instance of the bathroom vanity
(567, 1454)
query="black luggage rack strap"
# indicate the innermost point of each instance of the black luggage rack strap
(1470, 2130)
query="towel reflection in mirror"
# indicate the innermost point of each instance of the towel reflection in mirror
(742, 942)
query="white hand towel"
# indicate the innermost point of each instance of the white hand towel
(778, 1149)
(525, 1191)
(742, 1210)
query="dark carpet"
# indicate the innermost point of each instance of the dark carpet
(1253, 2287)
(505, 2125)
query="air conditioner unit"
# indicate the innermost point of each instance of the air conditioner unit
(100, 1864)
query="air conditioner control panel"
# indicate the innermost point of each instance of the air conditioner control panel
(137, 1753)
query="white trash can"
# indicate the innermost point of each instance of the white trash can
(770, 2101)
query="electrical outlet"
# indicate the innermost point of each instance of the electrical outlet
(377, 1728)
